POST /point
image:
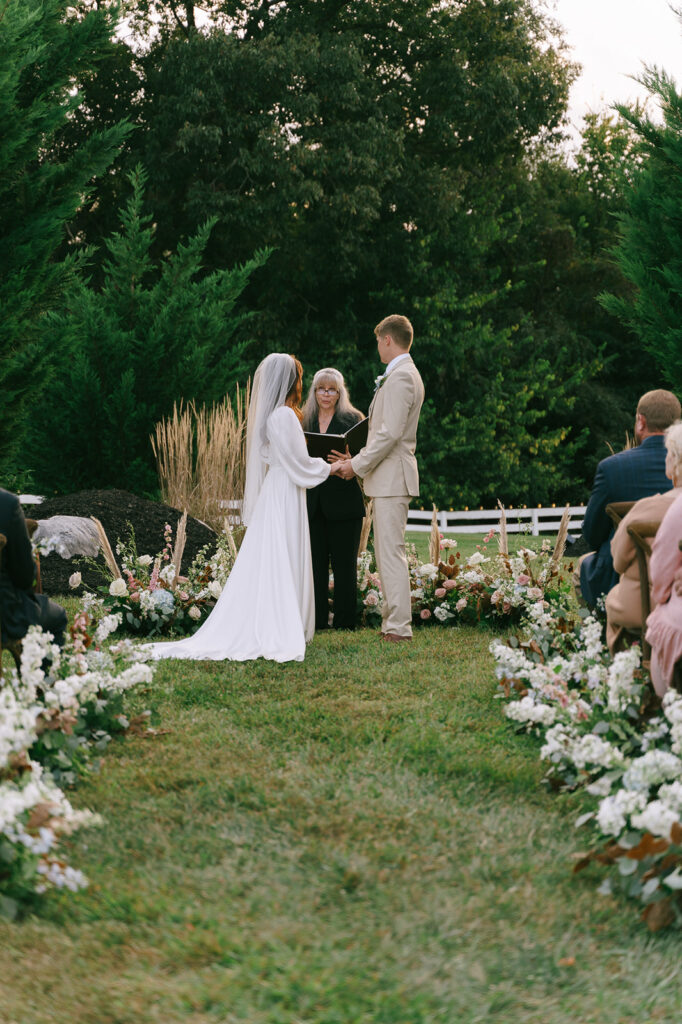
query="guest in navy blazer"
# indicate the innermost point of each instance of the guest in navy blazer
(627, 476)
(335, 508)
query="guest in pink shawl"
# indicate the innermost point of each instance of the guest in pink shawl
(664, 625)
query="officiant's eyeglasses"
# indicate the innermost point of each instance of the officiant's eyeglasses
(326, 391)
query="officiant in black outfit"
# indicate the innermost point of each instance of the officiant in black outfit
(336, 507)
(20, 607)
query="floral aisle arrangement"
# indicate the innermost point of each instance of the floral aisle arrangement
(147, 596)
(606, 735)
(485, 587)
(62, 706)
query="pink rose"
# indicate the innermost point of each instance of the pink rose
(534, 593)
(440, 592)
(449, 585)
(135, 597)
(461, 604)
(183, 595)
(523, 579)
(425, 614)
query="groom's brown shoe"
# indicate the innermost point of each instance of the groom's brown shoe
(394, 638)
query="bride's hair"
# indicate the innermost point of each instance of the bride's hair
(295, 395)
(328, 375)
(276, 383)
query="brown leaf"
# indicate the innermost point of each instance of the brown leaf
(40, 815)
(676, 834)
(658, 915)
(647, 847)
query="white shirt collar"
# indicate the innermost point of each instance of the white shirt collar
(394, 362)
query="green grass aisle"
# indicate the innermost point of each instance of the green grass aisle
(360, 838)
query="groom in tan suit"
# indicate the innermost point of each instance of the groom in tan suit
(388, 468)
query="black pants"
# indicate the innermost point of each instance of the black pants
(335, 540)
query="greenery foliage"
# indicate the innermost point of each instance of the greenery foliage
(392, 157)
(47, 49)
(156, 332)
(650, 233)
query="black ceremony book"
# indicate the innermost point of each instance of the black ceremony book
(320, 445)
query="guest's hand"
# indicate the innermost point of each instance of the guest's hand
(677, 582)
(335, 456)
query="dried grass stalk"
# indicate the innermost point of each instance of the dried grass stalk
(106, 549)
(502, 538)
(179, 547)
(434, 539)
(560, 545)
(200, 457)
(366, 527)
(229, 533)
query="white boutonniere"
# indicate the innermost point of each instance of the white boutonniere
(378, 382)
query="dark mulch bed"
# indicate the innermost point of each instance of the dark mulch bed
(115, 510)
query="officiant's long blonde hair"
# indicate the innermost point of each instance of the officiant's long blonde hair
(331, 377)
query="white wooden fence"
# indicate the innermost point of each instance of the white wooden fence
(519, 520)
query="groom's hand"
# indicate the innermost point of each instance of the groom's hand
(344, 469)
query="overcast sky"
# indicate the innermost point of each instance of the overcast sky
(612, 39)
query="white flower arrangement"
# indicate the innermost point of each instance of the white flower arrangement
(594, 714)
(69, 695)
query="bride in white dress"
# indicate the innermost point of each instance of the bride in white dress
(267, 608)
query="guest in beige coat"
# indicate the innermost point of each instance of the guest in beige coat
(623, 602)
(388, 467)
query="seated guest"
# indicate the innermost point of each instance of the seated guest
(624, 602)
(664, 625)
(20, 607)
(627, 476)
(335, 508)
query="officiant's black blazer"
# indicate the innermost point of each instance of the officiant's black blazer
(336, 498)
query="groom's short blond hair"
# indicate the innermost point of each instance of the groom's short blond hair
(399, 327)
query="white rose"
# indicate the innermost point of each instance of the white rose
(476, 558)
(145, 560)
(194, 612)
(75, 580)
(215, 589)
(117, 588)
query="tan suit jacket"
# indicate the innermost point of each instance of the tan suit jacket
(387, 463)
(623, 602)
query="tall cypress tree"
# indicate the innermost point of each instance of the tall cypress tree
(45, 48)
(649, 251)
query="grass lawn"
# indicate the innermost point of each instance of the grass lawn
(358, 839)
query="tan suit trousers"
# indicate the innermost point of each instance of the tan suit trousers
(390, 520)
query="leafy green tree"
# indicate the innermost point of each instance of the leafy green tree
(565, 213)
(46, 50)
(155, 333)
(403, 157)
(375, 145)
(650, 234)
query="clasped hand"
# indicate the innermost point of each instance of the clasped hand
(341, 464)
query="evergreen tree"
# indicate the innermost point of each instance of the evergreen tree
(650, 243)
(157, 332)
(46, 49)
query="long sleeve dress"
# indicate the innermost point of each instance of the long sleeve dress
(266, 609)
(664, 625)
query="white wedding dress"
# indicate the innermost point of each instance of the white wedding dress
(267, 609)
